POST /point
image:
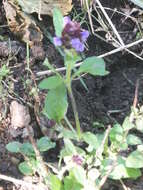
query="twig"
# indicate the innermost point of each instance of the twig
(39, 11)
(49, 72)
(110, 22)
(89, 16)
(115, 30)
(134, 54)
(101, 148)
(136, 94)
(43, 170)
(21, 182)
(124, 186)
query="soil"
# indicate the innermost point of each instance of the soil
(108, 99)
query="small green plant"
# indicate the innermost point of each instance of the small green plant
(31, 165)
(71, 37)
(83, 167)
(86, 160)
(4, 71)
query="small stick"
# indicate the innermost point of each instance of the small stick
(136, 94)
(43, 170)
(89, 16)
(20, 182)
(115, 30)
(49, 72)
(124, 186)
(110, 22)
(101, 148)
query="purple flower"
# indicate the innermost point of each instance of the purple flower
(77, 45)
(84, 35)
(51, 123)
(77, 159)
(73, 36)
(66, 20)
(72, 29)
(57, 41)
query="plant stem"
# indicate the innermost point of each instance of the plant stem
(27, 56)
(75, 111)
(68, 84)
(43, 170)
(69, 124)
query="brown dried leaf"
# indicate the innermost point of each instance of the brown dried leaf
(45, 7)
(21, 24)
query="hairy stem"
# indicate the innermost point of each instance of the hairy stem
(68, 84)
(74, 111)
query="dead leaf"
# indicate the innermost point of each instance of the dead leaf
(21, 24)
(45, 7)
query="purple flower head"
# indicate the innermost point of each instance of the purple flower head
(84, 35)
(72, 29)
(77, 159)
(57, 41)
(73, 36)
(51, 123)
(77, 45)
(66, 20)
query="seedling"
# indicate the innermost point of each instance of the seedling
(71, 38)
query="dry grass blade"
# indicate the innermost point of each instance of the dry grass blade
(49, 72)
(120, 43)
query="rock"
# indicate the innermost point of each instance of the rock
(19, 115)
(26, 134)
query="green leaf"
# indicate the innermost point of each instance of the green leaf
(133, 140)
(26, 168)
(123, 146)
(47, 63)
(70, 150)
(58, 21)
(66, 133)
(4, 71)
(70, 183)
(50, 82)
(121, 171)
(79, 174)
(69, 147)
(133, 173)
(127, 125)
(138, 2)
(135, 160)
(55, 183)
(27, 149)
(139, 124)
(45, 144)
(13, 147)
(140, 147)
(93, 65)
(94, 141)
(116, 133)
(56, 103)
